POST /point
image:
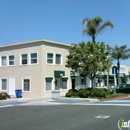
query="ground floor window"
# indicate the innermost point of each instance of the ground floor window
(64, 83)
(26, 85)
(3, 84)
(49, 83)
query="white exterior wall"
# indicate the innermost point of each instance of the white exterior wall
(36, 73)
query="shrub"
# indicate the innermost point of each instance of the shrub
(84, 93)
(72, 93)
(4, 96)
(98, 92)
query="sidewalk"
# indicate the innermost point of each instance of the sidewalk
(83, 99)
(46, 99)
(14, 100)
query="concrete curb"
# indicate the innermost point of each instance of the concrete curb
(83, 99)
(13, 100)
(115, 98)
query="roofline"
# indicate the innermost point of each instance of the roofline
(40, 40)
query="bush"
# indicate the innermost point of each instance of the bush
(89, 92)
(72, 93)
(84, 93)
(4, 96)
(98, 92)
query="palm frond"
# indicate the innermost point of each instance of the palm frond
(108, 23)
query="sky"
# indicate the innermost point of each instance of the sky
(61, 21)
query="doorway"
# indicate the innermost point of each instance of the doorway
(57, 83)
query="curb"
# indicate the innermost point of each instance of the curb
(119, 97)
(84, 99)
(12, 100)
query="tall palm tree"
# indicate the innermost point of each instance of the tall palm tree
(95, 26)
(120, 53)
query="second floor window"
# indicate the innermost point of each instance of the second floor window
(58, 59)
(11, 60)
(53, 58)
(24, 59)
(33, 58)
(50, 58)
(3, 60)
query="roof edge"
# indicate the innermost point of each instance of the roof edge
(28, 42)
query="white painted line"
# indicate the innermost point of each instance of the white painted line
(102, 116)
(6, 106)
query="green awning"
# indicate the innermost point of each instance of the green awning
(64, 78)
(49, 78)
(111, 76)
(127, 75)
(58, 73)
(100, 76)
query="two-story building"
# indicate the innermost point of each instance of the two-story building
(37, 67)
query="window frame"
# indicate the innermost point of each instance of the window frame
(11, 60)
(1, 60)
(51, 84)
(32, 58)
(23, 84)
(54, 58)
(21, 58)
(1, 84)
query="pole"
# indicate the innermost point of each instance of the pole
(115, 83)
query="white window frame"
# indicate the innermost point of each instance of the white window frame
(1, 84)
(21, 58)
(52, 87)
(23, 84)
(11, 60)
(54, 58)
(49, 58)
(33, 58)
(1, 60)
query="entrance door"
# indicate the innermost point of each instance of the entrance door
(11, 86)
(57, 83)
(73, 82)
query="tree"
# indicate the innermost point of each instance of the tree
(120, 53)
(89, 59)
(94, 26)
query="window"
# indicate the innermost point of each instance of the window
(58, 59)
(24, 59)
(64, 83)
(50, 58)
(26, 85)
(48, 83)
(4, 84)
(33, 58)
(3, 60)
(11, 60)
(53, 58)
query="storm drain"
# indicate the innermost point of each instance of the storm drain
(102, 116)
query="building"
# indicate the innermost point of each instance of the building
(37, 67)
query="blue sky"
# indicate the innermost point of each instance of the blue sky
(61, 20)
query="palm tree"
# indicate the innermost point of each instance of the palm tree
(94, 26)
(120, 53)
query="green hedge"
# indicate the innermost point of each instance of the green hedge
(89, 92)
(4, 96)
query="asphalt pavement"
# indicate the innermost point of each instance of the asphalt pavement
(62, 117)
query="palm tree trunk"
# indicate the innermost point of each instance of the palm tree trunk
(93, 39)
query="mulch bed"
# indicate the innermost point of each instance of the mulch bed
(106, 99)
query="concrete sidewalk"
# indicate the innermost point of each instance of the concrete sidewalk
(82, 99)
(46, 99)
